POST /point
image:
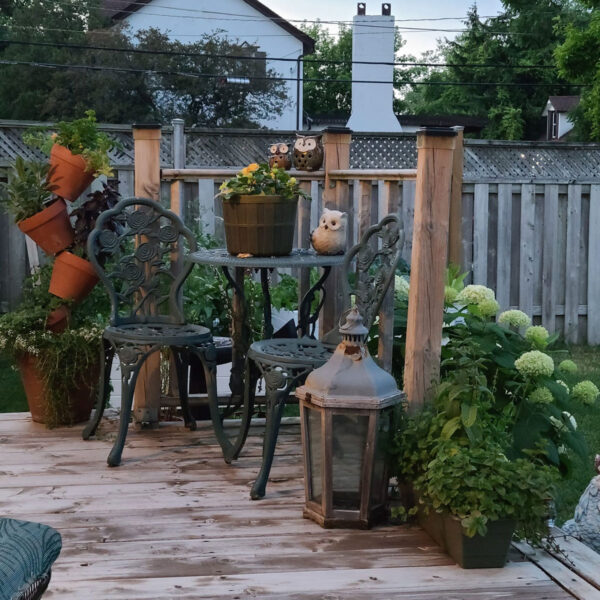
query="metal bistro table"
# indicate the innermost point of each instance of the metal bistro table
(235, 269)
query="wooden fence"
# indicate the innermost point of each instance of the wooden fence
(535, 241)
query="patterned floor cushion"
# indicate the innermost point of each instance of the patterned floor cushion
(27, 551)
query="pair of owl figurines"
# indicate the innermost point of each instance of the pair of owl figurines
(308, 154)
(330, 236)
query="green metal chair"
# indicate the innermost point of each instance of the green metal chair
(284, 364)
(137, 249)
(27, 553)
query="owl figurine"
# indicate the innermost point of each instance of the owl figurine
(330, 236)
(279, 156)
(308, 152)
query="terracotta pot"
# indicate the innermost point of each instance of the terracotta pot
(259, 225)
(67, 173)
(50, 229)
(82, 396)
(58, 320)
(73, 278)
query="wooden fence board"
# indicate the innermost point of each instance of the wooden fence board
(480, 233)
(504, 245)
(527, 250)
(572, 263)
(408, 217)
(593, 271)
(549, 257)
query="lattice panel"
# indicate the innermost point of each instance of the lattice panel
(12, 145)
(383, 151)
(531, 161)
(215, 149)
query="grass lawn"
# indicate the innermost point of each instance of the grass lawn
(12, 396)
(588, 422)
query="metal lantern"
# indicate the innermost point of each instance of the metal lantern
(346, 411)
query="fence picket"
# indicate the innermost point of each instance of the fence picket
(572, 267)
(527, 248)
(480, 233)
(504, 245)
(206, 205)
(549, 257)
(593, 302)
(408, 216)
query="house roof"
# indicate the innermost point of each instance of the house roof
(119, 9)
(563, 103)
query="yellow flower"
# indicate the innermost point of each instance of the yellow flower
(291, 181)
(252, 167)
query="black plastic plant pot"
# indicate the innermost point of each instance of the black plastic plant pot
(478, 552)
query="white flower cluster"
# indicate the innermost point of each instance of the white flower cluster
(516, 318)
(480, 296)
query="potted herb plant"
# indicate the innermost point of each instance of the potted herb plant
(73, 276)
(59, 370)
(78, 153)
(29, 198)
(259, 210)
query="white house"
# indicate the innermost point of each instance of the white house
(558, 122)
(239, 20)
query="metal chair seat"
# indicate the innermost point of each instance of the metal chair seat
(166, 334)
(300, 352)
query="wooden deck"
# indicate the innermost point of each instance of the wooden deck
(174, 521)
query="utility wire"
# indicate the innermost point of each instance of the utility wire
(261, 78)
(271, 58)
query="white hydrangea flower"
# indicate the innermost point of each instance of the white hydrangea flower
(516, 318)
(475, 294)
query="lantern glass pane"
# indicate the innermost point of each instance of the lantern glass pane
(348, 449)
(315, 458)
(379, 472)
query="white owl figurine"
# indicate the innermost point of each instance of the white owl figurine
(330, 236)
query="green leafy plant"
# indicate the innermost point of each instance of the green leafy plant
(260, 179)
(61, 357)
(26, 192)
(80, 136)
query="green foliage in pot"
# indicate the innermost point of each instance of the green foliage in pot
(62, 357)
(26, 192)
(261, 180)
(80, 136)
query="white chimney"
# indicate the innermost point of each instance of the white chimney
(373, 41)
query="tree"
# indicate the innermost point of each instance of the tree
(524, 35)
(578, 58)
(171, 80)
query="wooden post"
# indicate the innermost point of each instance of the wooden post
(336, 143)
(146, 139)
(177, 185)
(428, 264)
(455, 226)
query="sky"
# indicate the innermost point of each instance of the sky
(416, 42)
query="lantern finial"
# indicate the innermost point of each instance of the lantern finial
(353, 330)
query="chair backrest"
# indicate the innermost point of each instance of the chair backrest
(377, 255)
(138, 248)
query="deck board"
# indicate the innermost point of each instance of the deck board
(174, 521)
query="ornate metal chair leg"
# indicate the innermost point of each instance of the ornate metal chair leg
(129, 374)
(182, 362)
(275, 405)
(107, 354)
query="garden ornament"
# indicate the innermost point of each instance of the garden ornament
(279, 156)
(585, 526)
(308, 152)
(330, 236)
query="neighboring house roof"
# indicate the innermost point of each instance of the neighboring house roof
(561, 103)
(471, 124)
(120, 9)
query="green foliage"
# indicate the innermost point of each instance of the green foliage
(524, 34)
(26, 192)
(62, 357)
(261, 180)
(578, 59)
(80, 136)
(13, 396)
(153, 87)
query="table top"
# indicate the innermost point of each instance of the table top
(299, 257)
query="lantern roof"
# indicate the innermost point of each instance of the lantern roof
(351, 378)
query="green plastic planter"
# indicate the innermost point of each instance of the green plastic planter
(259, 225)
(477, 552)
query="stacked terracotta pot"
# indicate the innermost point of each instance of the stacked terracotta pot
(73, 277)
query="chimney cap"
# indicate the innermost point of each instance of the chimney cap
(361, 8)
(386, 9)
